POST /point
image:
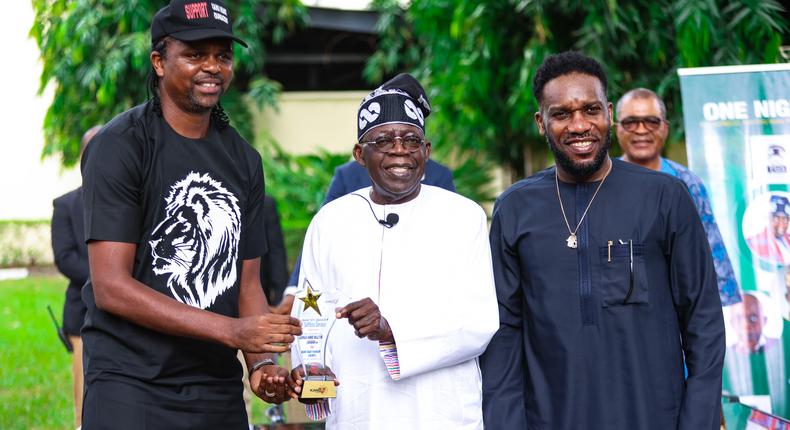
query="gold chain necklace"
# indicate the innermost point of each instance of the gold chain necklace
(571, 240)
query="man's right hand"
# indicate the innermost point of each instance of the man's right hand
(265, 333)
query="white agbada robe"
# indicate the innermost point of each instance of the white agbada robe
(436, 291)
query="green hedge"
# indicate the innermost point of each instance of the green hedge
(25, 243)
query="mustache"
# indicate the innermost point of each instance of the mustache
(585, 135)
(584, 170)
(207, 76)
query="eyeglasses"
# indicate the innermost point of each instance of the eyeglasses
(387, 143)
(748, 317)
(631, 123)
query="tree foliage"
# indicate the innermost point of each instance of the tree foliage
(300, 181)
(477, 59)
(95, 56)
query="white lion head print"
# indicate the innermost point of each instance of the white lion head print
(197, 242)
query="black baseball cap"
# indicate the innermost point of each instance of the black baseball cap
(191, 20)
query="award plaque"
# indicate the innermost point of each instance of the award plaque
(316, 311)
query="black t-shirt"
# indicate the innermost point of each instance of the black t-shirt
(194, 208)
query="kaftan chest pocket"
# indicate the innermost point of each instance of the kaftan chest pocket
(623, 275)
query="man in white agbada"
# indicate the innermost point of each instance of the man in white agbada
(420, 304)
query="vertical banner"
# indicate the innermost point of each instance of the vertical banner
(737, 122)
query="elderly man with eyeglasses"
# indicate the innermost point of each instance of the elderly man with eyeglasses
(642, 130)
(412, 265)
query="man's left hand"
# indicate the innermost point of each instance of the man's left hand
(284, 308)
(367, 320)
(269, 383)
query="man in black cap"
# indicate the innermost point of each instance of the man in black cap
(173, 202)
(412, 267)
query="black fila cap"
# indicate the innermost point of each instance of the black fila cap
(193, 20)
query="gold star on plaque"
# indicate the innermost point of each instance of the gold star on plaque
(311, 300)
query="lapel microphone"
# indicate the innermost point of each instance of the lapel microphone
(390, 220)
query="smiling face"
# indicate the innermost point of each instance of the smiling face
(779, 224)
(641, 145)
(748, 320)
(193, 75)
(395, 174)
(575, 118)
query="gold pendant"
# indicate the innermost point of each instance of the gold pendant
(571, 241)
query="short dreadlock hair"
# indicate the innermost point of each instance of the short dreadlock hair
(160, 45)
(562, 64)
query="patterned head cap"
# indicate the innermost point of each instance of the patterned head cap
(401, 100)
(779, 205)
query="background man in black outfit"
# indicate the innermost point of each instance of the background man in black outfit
(71, 257)
(274, 263)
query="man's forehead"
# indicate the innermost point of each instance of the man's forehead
(750, 300)
(396, 129)
(640, 105)
(573, 86)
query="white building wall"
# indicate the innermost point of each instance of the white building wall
(306, 121)
(27, 183)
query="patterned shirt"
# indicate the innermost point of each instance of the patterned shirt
(728, 287)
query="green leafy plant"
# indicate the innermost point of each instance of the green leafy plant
(477, 59)
(25, 243)
(298, 183)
